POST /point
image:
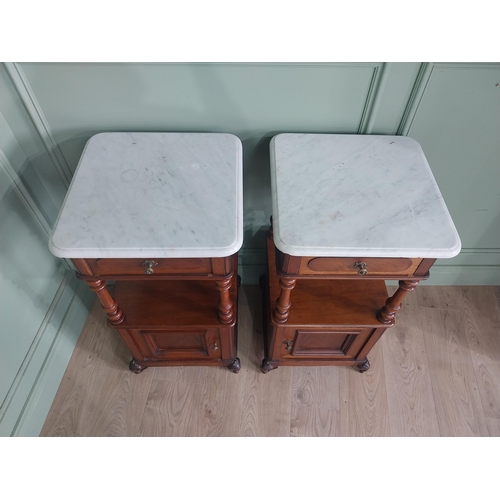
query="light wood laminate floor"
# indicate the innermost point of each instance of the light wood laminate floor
(436, 373)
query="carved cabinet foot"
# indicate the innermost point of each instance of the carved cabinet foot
(363, 366)
(135, 367)
(235, 365)
(267, 366)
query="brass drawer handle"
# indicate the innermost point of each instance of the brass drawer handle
(148, 266)
(362, 268)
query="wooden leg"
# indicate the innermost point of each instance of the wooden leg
(280, 313)
(393, 304)
(109, 304)
(135, 367)
(235, 365)
(225, 305)
(267, 366)
(362, 366)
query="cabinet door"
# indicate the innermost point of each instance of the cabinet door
(176, 344)
(324, 343)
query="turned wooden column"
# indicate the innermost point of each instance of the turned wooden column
(281, 312)
(282, 309)
(109, 304)
(393, 304)
(226, 313)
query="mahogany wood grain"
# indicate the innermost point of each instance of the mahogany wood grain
(287, 264)
(178, 312)
(225, 304)
(344, 267)
(82, 267)
(109, 304)
(281, 311)
(422, 271)
(224, 266)
(336, 303)
(347, 266)
(174, 268)
(163, 304)
(324, 302)
(174, 323)
(330, 322)
(393, 303)
(111, 267)
(327, 342)
(182, 343)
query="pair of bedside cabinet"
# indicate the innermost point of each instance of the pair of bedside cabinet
(162, 215)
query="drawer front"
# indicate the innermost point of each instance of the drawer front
(151, 267)
(350, 266)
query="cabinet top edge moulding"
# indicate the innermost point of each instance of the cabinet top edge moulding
(337, 195)
(150, 194)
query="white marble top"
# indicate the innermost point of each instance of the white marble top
(357, 196)
(154, 195)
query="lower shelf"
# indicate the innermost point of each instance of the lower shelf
(159, 304)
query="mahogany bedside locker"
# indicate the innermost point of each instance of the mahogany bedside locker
(161, 214)
(349, 212)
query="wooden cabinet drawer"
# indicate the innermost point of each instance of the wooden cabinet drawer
(157, 266)
(351, 266)
(162, 267)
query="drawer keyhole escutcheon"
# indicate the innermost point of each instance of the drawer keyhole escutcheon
(288, 344)
(362, 268)
(215, 347)
(148, 266)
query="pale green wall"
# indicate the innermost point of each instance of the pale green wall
(456, 119)
(453, 110)
(42, 305)
(49, 111)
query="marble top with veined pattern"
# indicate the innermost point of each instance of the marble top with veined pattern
(357, 195)
(148, 194)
